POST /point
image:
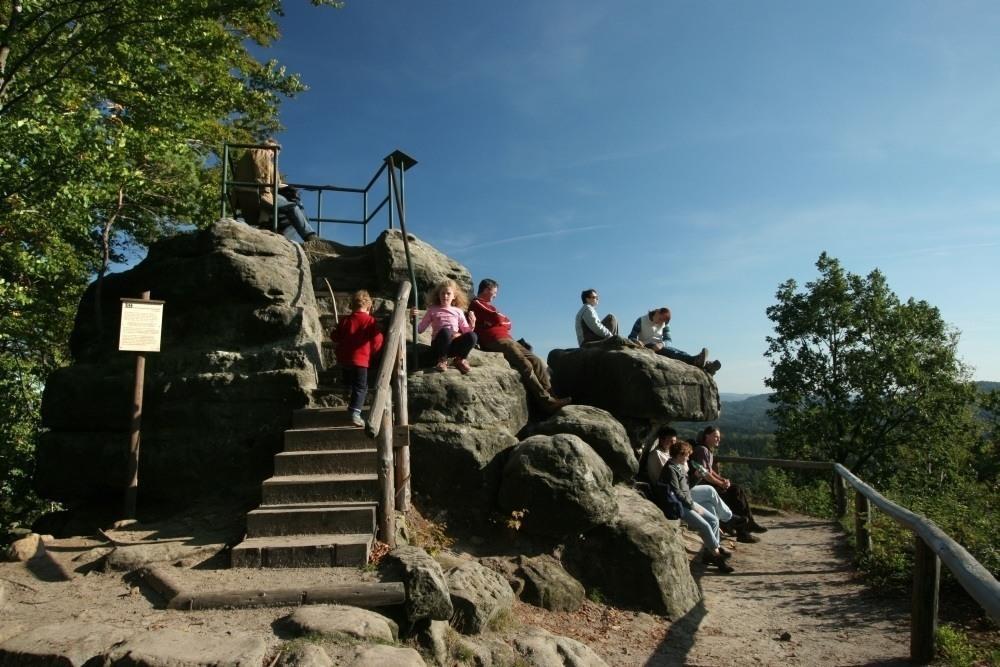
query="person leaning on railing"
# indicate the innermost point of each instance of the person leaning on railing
(734, 495)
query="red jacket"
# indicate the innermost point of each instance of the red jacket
(491, 324)
(357, 338)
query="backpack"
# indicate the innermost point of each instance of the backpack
(667, 500)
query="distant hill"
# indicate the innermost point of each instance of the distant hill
(730, 397)
(983, 386)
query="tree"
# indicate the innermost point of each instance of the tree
(866, 380)
(111, 114)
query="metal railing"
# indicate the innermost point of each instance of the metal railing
(932, 547)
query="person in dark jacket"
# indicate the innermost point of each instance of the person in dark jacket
(358, 338)
(695, 516)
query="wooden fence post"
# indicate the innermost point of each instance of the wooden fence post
(387, 506)
(862, 524)
(402, 453)
(924, 606)
(839, 495)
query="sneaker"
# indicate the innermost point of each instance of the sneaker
(699, 361)
(725, 553)
(717, 561)
(756, 528)
(441, 366)
(356, 419)
(724, 567)
(747, 538)
(463, 366)
(713, 367)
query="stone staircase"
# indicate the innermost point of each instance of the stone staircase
(318, 510)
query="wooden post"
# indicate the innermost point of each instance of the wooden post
(924, 606)
(402, 453)
(862, 524)
(839, 495)
(387, 505)
(132, 465)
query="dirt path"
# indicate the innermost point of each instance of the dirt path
(798, 580)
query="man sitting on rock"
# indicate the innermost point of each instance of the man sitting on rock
(257, 165)
(493, 329)
(589, 328)
(653, 331)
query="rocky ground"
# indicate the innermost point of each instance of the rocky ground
(794, 599)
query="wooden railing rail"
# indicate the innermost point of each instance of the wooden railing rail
(932, 547)
(390, 382)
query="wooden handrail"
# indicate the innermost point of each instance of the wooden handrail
(932, 546)
(383, 389)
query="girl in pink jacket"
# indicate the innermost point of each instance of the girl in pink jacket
(451, 333)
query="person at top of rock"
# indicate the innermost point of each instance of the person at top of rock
(257, 165)
(452, 335)
(703, 473)
(358, 339)
(653, 331)
(590, 328)
(493, 330)
(697, 517)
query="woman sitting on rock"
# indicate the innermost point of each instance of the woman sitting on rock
(734, 495)
(653, 331)
(695, 516)
(451, 333)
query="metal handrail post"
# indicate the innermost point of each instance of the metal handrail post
(406, 249)
(389, 185)
(319, 212)
(225, 176)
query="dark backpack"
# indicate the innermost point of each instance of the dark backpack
(664, 497)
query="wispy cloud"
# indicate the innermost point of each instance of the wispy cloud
(556, 233)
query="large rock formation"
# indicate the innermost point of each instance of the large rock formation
(600, 430)
(636, 559)
(462, 425)
(239, 350)
(640, 388)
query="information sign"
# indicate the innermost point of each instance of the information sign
(140, 327)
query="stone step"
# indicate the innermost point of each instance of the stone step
(321, 462)
(326, 439)
(303, 551)
(312, 519)
(330, 488)
(320, 417)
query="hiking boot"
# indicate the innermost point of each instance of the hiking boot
(756, 528)
(553, 405)
(725, 553)
(699, 361)
(734, 526)
(747, 538)
(717, 561)
(713, 367)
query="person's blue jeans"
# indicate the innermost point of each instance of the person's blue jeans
(706, 496)
(356, 378)
(674, 353)
(707, 525)
(292, 213)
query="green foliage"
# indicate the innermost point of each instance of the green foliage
(956, 650)
(110, 116)
(860, 376)
(791, 491)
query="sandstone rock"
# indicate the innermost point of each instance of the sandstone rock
(483, 651)
(637, 560)
(26, 548)
(479, 595)
(335, 619)
(539, 580)
(430, 265)
(9, 629)
(635, 384)
(66, 643)
(239, 351)
(434, 638)
(381, 656)
(304, 654)
(427, 594)
(130, 557)
(599, 429)
(541, 648)
(562, 483)
(170, 648)
(461, 424)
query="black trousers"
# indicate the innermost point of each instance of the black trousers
(446, 344)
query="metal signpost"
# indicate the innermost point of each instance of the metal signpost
(141, 324)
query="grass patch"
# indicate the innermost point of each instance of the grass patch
(956, 650)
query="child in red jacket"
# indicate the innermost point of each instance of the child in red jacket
(358, 339)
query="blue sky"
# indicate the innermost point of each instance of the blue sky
(688, 154)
